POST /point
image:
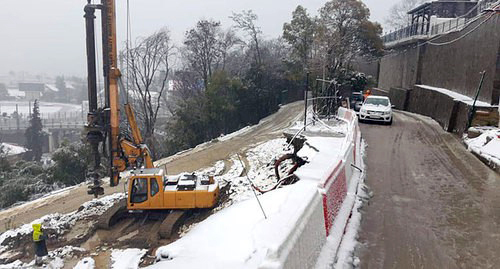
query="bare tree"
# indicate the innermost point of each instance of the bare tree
(149, 67)
(339, 28)
(398, 14)
(245, 21)
(228, 40)
(203, 48)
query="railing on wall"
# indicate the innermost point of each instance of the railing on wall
(406, 32)
(454, 24)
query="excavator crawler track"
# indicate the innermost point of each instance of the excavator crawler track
(112, 215)
(171, 223)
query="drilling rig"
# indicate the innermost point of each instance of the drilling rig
(149, 189)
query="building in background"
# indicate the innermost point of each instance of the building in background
(32, 91)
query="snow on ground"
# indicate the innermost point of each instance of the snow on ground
(235, 177)
(23, 107)
(60, 223)
(239, 236)
(11, 149)
(216, 170)
(54, 259)
(260, 171)
(16, 264)
(456, 96)
(233, 134)
(85, 263)
(317, 128)
(487, 145)
(127, 258)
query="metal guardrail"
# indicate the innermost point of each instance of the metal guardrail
(406, 32)
(47, 124)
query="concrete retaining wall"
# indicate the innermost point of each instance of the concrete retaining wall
(457, 66)
(433, 104)
(399, 98)
(378, 91)
(454, 66)
(303, 245)
(451, 114)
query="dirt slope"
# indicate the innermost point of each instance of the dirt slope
(191, 160)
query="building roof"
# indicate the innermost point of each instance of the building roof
(31, 87)
(51, 87)
(420, 8)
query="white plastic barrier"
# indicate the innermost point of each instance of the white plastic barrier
(303, 245)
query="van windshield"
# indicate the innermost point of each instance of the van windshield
(377, 101)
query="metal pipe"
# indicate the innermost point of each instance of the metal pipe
(91, 56)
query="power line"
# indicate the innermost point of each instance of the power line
(430, 42)
(461, 37)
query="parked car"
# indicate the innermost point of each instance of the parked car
(356, 101)
(376, 108)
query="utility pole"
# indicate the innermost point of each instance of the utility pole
(305, 100)
(473, 109)
(17, 116)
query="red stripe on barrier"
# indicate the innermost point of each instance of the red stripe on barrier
(328, 224)
(333, 198)
(332, 174)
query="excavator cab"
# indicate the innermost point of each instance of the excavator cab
(150, 188)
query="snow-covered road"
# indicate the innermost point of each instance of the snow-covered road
(435, 205)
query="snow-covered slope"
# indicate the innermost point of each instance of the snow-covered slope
(487, 145)
(12, 149)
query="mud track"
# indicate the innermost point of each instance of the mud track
(434, 206)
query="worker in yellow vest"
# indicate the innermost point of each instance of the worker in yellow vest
(40, 245)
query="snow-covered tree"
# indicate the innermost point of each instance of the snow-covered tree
(34, 134)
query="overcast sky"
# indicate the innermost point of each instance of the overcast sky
(48, 36)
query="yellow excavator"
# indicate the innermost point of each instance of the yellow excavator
(149, 188)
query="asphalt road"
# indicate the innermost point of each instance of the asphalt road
(434, 206)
